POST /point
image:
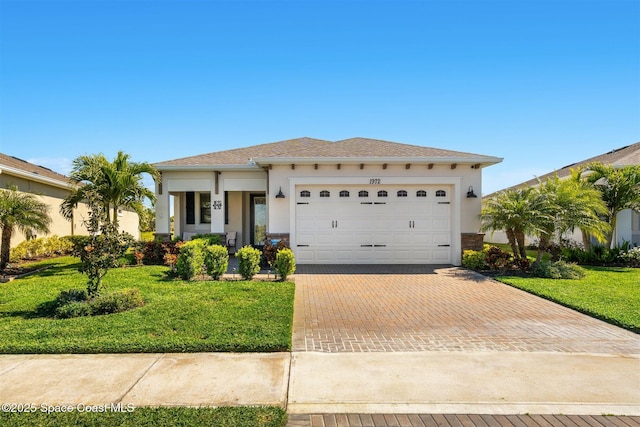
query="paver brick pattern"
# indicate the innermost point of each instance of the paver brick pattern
(350, 308)
(449, 420)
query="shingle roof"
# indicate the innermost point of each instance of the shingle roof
(629, 155)
(29, 168)
(310, 148)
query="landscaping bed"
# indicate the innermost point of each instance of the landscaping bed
(178, 316)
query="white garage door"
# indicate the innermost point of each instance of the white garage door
(373, 224)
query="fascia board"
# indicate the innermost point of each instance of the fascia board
(35, 177)
(207, 168)
(484, 160)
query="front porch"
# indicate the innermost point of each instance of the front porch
(194, 212)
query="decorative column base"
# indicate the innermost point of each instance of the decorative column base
(472, 241)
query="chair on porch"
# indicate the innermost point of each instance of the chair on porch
(231, 240)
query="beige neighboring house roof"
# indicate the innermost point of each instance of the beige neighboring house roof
(629, 155)
(310, 150)
(11, 165)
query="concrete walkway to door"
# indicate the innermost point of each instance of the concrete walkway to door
(387, 308)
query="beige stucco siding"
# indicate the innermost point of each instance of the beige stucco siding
(53, 196)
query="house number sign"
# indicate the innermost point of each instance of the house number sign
(374, 181)
(217, 204)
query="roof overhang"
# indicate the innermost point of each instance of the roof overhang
(482, 160)
(35, 177)
(207, 168)
(258, 163)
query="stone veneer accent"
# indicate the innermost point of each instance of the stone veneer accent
(473, 241)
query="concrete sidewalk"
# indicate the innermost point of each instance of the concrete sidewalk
(429, 382)
(185, 379)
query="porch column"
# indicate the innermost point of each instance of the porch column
(217, 205)
(163, 217)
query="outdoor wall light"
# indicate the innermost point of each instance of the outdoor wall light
(280, 194)
(471, 194)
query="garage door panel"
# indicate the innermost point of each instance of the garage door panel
(441, 238)
(391, 229)
(325, 255)
(441, 256)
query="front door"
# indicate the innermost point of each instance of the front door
(258, 220)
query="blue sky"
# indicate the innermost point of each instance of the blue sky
(541, 83)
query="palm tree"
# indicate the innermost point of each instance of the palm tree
(517, 211)
(571, 203)
(620, 189)
(22, 211)
(584, 209)
(109, 186)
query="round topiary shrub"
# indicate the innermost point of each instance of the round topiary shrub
(557, 270)
(216, 259)
(474, 260)
(285, 263)
(191, 259)
(249, 258)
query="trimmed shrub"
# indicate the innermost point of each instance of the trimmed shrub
(249, 258)
(155, 251)
(497, 259)
(41, 247)
(209, 239)
(72, 295)
(557, 270)
(631, 257)
(216, 260)
(475, 260)
(270, 251)
(73, 309)
(116, 302)
(191, 259)
(285, 263)
(74, 303)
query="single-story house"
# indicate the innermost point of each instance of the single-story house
(357, 200)
(628, 222)
(52, 188)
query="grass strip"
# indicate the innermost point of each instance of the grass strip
(265, 416)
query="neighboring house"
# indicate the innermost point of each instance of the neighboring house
(358, 200)
(628, 223)
(52, 188)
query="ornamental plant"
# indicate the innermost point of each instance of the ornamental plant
(249, 258)
(285, 263)
(631, 257)
(474, 260)
(191, 259)
(99, 253)
(216, 260)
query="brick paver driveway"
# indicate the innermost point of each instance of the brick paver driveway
(430, 308)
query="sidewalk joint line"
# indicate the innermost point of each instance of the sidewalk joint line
(141, 377)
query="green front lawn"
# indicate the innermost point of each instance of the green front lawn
(268, 416)
(610, 294)
(179, 316)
